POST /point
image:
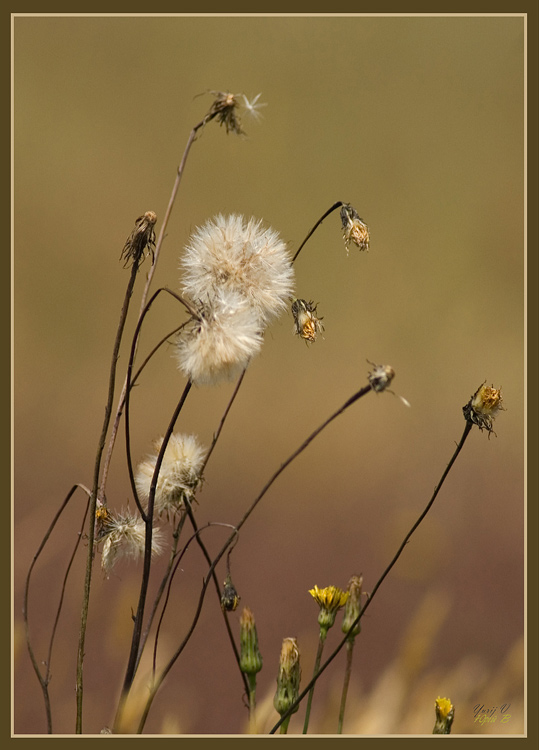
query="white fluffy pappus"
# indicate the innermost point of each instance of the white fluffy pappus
(125, 537)
(231, 253)
(179, 474)
(220, 344)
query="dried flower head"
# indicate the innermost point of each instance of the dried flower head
(445, 713)
(231, 253)
(124, 536)
(219, 344)
(288, 678)
(226, 108)
(483, 407)
(142, 237)
(354, 228)
(308, 325)
(330, 600)
(380, 377)
(353, 607)
(179, 475)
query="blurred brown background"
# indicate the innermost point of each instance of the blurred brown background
(418, 122)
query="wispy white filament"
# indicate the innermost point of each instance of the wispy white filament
(233, 254)
(221, 343)
(179, 475)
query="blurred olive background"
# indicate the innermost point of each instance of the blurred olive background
(418, 122)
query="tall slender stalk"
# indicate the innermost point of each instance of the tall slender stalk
(158, 245)
(93, 498)
(159, 680)
(45, 679)
(386, 572)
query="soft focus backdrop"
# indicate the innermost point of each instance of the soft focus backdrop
(418, 122)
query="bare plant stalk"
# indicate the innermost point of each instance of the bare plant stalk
(159, 243)
(336, 205)
(45, 679)
(159, 680)
(93, 498)
(386, 572)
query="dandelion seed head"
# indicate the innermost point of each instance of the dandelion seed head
(231, 253)
(179, 474)
(220, 344)
(125, 538)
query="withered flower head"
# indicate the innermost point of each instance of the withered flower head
(445, 713)
(308, 325)
(353, 607)
(483, 406)
(354, 228)
(229, 597)
(226, 108)
(142, 237)
(288, 678)
(381, 376)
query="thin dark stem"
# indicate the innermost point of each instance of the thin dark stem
(158, 682)
(173, 554)
(137, 629)
(170, 578)
(222, 422)
(44, 680)
(93, 499)
(321, 641)
(380, 580)
(157, 251)
(129, 387)
(313, 230)
(218, 590)
(154, 351)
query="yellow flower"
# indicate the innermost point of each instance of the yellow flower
(330, 600)
(444, 716)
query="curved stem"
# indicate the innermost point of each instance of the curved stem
(157, 251)
(158, 682)
(44, 680)
(336, 205)
(93, 498)
(405, 541)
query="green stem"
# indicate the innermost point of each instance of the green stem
(346, 682)
(321, 642)
(252, 703)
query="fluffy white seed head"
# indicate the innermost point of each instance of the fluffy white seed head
(234, 254)
(179, 475)
(124, 537)
(219, 345)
